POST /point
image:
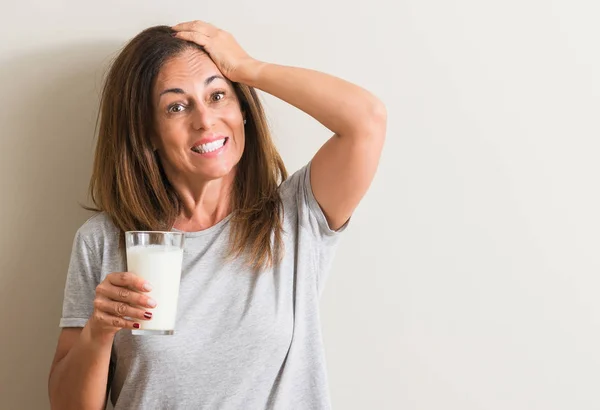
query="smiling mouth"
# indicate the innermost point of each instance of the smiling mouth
(210, 146)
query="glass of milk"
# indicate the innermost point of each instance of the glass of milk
(157, 257)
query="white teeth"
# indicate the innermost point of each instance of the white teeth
(209, 147)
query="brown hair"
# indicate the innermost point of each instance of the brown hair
(128, 181)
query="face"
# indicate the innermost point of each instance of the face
(199, 129)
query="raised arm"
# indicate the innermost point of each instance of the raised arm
(342, 170)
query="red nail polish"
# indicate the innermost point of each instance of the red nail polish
(148, 315)
(136, 325)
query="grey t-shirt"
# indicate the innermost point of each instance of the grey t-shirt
(243, 340)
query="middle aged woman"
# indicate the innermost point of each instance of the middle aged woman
(183, 145)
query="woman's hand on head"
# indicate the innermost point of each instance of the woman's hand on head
(231, 59)
(120, 303)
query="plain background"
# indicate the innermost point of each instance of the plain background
(469, 278)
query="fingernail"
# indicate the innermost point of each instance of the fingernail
(148, 315)
(151, 303)
(136, 325)
(147, 287)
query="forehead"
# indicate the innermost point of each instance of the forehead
(188, 66)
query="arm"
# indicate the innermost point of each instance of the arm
(342, 170)
(79, 373)
(344, 167)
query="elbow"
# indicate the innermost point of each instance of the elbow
(378, 115)
(373, 124)
(54, 395)
(51, 389)
(367, 122)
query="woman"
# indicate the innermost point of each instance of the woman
(183, 145)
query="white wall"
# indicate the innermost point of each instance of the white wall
(469, 279)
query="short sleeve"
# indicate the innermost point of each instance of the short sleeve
(80, 288)
(315, 234)
(310, 214)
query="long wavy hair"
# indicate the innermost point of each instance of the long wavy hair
(128, 180)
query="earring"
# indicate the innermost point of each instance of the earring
(244, 122)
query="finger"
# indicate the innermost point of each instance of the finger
(126, 295)
(130, 280)
(196, 25)
(113, 321)
(187, 25)
(193, 36)
(121, 309)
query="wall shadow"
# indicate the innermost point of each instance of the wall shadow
(48, 122)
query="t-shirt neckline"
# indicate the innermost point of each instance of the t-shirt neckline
(207, 231)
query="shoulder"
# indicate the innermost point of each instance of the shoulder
(301, 205)
(97, 230)
(291, 187)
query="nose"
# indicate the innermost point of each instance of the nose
(202, 118)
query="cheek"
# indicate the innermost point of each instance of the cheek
(170, 133)
(233, 117)
(235, 122)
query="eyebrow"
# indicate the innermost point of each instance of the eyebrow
(180, 91)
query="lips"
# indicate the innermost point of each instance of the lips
(207, 145)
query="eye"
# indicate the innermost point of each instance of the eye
(217, 96)
(175, 108)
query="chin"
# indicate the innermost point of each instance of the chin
(216, 171)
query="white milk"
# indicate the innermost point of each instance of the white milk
(161, 266)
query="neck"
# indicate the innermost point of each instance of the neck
(204, 202)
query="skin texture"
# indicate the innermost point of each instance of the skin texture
(193, 101)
